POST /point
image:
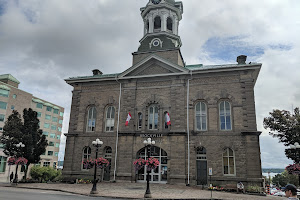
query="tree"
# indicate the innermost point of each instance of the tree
(285, 126)
(28, 132)
(12, 134)
(285, 178)
(33, 138)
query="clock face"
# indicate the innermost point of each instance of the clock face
(156, 1)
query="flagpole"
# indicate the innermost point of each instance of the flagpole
(117, 139)
(188, 128)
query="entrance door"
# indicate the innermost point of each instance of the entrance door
(158, 175)
(108, 155)
(201, 166)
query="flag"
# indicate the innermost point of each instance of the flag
(168, 119)
(128, 119)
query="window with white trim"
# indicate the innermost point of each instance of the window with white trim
(86, 155)
(91, 119)
(110, 119)
(228, 162)
(153, 117)
(46, 164)
(225, 115)
(201, 116)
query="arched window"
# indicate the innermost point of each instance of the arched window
(157, 23)
(225, 115)
(201, 153)
(201, 116)
(169, 24)
(86, 155)
(110, 119)
(108, 152)
(91, 119)
(228, 162)
(160, 174)
(140, 120)
(153, 117)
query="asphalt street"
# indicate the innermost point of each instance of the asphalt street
(33, 194)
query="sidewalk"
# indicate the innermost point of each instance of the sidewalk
(136, 191)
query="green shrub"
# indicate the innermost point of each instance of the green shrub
(44, 174)
(253, 188)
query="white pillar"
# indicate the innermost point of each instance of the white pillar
(164, 21)
(175, 29)
(151, 23)
(145, 27)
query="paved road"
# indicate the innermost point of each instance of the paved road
(33, 194)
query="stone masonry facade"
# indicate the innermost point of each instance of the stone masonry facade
(159, 79)
(170, 94)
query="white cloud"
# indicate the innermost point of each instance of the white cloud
(44, 42)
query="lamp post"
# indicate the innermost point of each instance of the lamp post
(97, 143)
(16, 174)
(294, 153)
(148, 144)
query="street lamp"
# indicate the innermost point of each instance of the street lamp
(97, 143)
(16, 174)
(294, 153)
(148, 144)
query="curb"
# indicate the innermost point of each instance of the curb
(92, 195)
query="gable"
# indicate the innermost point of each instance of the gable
(153, 65)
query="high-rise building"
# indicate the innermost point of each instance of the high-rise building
(49, 114)
(202, 117)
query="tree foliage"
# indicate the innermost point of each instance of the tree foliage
(27, 132)
(285, 178)
(44, 173)
(12, 134)
(284, 125)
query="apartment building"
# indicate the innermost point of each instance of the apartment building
(49, 114)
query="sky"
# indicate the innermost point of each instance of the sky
(44, 42)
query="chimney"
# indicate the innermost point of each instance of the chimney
(241, 59)
(96, 72)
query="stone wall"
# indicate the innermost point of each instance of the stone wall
(170, 94)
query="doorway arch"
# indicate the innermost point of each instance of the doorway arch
(158, 175)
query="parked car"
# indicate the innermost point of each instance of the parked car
(279, 193)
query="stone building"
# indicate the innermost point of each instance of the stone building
(211, 107)
(50, 116)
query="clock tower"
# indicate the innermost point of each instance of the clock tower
(161, 19)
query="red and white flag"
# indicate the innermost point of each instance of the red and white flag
(168, 119)
(128, 119)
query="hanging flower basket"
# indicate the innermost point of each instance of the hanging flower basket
(293, 169)
(139, 164)
(21, 161)
(88, 164)
(11, 161)
(101, 162)
(152, 163)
